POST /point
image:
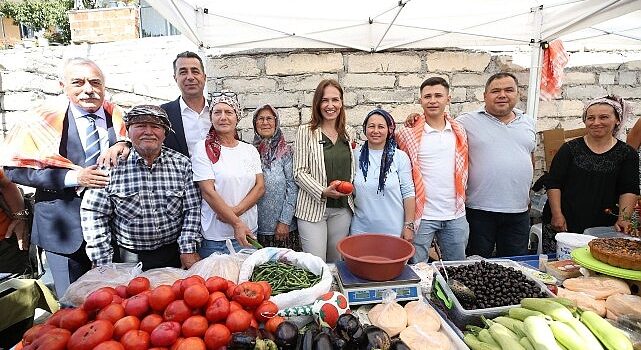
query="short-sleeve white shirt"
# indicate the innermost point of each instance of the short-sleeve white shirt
(234, 177)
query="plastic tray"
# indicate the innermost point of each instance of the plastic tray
(443, 297)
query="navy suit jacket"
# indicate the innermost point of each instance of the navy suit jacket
(56, 222)
(176, 140)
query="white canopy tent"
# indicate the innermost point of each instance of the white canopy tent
(376, 25)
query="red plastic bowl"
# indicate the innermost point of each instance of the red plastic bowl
(375, 257)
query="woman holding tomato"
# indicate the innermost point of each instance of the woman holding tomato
(276, 222)
(323, 154)
(384, 190)
(230, 178)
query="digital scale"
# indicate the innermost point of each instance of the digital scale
(361, 291)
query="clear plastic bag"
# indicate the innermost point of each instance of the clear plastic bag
(389, 315)
(222, 265)
(110, 275)
(163, 275)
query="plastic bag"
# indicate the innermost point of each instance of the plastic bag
(311, 262)
(419, 339)
(420, 313)
(222, 265)
(163, 275)
(110, 275)
(389, 315)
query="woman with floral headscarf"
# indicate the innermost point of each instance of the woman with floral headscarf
(276, 222)
(230, 178)
(383, 186)
(592, 175)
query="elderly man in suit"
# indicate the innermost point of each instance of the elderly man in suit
(55, 151)
(189, 113)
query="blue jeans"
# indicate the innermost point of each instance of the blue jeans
(208, 247)
(510, 232)
(452, 238)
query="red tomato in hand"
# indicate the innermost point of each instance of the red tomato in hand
(160, 297)
(177, 311)
(196, 296)
(135, 340)
(265, 311)
(124, 325)
(217, 335)
(194, 326)
(345, 187)
(216, 284)
(218, 310)
(74, 319)
(238, 321)
(111, 313)
(138, 285)
(90, 335)
(150, 322)
(248, 294)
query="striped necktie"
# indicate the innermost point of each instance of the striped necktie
(92, 144)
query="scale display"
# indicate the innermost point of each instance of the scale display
(360, 291)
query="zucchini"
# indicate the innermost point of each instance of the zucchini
(485, 336)
(539, 333)
(611, 337)
(475, 344)
(505, 337)
(548, 307)
(520, 313)
(591, 342)
(565, 335)
(526, 343)
(512, 324)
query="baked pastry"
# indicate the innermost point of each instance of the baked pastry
(619, 252)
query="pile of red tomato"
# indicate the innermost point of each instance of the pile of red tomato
(191, 314)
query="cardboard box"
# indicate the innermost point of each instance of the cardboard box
(554, 138)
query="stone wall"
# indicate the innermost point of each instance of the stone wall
(140, 71)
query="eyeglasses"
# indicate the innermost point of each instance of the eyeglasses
(265, 119)
(223, 93)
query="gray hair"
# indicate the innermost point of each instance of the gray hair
(77, 61)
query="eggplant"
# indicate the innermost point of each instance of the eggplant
(242, 341)
(308, 339)
(322, 341)
(338, 342)
(376, 339)
(286, 336)
(346, 326)
(398, 344)
(357, 339)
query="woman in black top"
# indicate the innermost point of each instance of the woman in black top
(592, 175)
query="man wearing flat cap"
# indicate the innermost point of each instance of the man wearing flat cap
(150, 210)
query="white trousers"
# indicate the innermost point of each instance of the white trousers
(320, 238)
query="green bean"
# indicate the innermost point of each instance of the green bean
(284, 277)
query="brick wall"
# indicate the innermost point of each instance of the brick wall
(139, 71)
(104, 24)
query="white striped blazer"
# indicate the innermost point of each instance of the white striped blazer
(309, 173)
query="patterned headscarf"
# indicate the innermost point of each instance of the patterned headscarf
(212, 141)
(388, 149)
(622, 109)
(274, 147)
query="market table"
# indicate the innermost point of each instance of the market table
(19, 299)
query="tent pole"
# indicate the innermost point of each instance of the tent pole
(535, 81)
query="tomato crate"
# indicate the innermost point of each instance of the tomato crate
(443, 297)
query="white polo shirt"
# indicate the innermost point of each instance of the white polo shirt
(436, 158)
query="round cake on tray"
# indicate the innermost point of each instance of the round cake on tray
(619, 252)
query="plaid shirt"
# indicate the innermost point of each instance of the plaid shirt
(143, 208)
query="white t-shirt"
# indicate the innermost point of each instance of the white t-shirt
(436, 157)
(234, 176)
(195, 124)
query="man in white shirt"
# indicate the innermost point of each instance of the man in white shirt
(437, 147)
(189, 113)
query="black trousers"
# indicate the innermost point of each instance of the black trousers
(165, 256)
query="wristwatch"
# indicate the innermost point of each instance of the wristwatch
(409, 225)
(21, 214)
